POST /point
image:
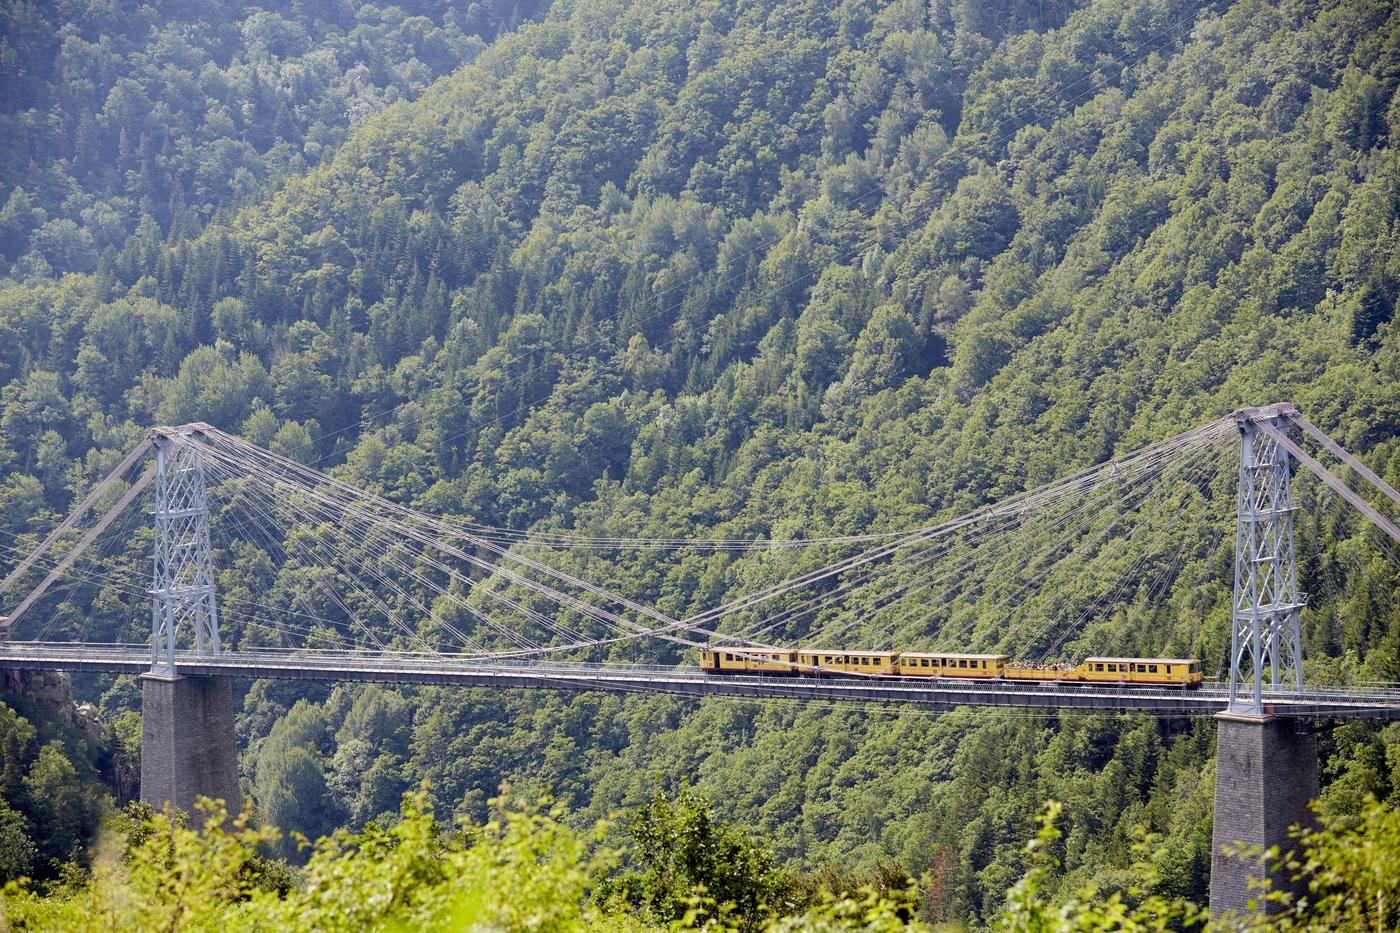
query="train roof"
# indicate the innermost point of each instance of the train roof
(1148, 660)
(880, 654)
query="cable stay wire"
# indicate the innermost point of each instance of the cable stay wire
(1007, 542)
(433, 532)
(374, 548)
(351, 504)
(1110, 596)
(1076, 484)
(1125, 462)
(1123, 506)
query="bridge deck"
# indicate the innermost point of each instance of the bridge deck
(1367, 703)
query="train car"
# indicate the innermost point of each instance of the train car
(1175, 672)
(820, 661)
(732, 659)
(1027, 671)
(917, 664)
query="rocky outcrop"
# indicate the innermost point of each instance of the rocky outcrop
(50, 693)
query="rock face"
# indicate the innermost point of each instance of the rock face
(51, 693)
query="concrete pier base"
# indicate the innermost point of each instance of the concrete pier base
(188, 747)
(1265, 776)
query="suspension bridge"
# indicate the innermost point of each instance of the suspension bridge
(345, 585)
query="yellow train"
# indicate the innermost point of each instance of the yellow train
(1168, 672)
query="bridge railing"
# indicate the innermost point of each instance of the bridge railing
(135, 654)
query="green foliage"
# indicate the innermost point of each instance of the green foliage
(1350, 867)
(523, 870)
(1087, 909)
(289, 781)
(691, 866)
(1347, 868)
(52, 802)
(125, 116)
(670, 269)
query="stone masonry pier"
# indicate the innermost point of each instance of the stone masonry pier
(1265, 776)
(187, 742)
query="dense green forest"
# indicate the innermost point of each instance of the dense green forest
(657, 269)
(119, 115)
(682, 868)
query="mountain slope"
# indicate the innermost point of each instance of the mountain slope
(664, 269)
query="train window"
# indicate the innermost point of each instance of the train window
(728, 656)
(1152, 668)
(1098, 667)
(962, 662)
(923, 662)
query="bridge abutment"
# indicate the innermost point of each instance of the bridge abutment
(188, 746)
(1265, 776)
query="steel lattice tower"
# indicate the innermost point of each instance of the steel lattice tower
(182, 586)
(1266, 636)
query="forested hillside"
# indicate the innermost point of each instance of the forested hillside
(156, 116)
(662, 269)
